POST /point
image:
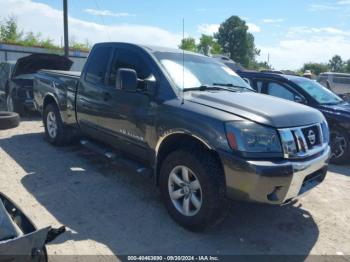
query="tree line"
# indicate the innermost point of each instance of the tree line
(11, 34)
(233, 40)
(336, 64)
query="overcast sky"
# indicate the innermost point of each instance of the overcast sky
(292, 32)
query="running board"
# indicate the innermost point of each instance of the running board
(115, 156)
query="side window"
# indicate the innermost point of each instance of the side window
(97, 67)
(278, 90)
(128, 59)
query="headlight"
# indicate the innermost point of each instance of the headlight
(249, 137)
(325, 132)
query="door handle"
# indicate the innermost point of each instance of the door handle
(106, 96)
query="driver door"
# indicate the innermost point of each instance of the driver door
(281, 90)
(129, 116)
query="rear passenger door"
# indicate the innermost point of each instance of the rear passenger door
(92, 97)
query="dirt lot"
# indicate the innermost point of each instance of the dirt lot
(110, 211)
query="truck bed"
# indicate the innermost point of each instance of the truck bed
(72, 74)
(57, 84)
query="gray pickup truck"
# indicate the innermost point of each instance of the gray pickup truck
(190, 122)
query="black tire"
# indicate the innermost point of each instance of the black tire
(16, 106)
(212, 183)
(63, 135)
(340, 154)
(8, 120)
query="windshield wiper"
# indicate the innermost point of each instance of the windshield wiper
(206, 88)
(232, 85)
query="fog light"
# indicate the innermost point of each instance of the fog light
(273, 196)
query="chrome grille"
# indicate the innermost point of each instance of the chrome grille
(301, 142)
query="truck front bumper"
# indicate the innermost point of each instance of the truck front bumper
(272, 182)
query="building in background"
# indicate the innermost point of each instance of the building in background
(10, 52)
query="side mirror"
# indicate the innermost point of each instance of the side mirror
(299, 99)
(247, 81)
(126, 79)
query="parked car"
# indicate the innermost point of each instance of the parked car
(18, 85)
(311, 93)
(20, 240)
(6, 69)
(200, 131)
(337, 82)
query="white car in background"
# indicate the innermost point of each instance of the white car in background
(339, 83)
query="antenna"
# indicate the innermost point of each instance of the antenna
(183, 62)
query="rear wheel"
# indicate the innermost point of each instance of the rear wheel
(340, 146)
(193, 188)
(55, 131)
(14, 106)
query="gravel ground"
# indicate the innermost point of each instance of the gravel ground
(111, 211)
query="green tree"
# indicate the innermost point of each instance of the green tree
(207, 45)
(336, 64)
(9, 32)
(236, 41)
(316, 68)
(259, 66)
(347, 66)
(48, 43)
(188, 44)
(79, 45)
(31, 39)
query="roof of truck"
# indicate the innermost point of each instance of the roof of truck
(153, 48)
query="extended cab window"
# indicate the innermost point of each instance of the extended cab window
(97, 67)
(124, 58)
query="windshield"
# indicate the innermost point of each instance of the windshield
(321, 94)
(198, 71)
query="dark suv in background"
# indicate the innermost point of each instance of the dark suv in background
(17, 83)
(311, 93)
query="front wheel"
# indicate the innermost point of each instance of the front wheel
(340, 146)
(193, 188)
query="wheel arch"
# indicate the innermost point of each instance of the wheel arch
(176, 140)
(49, 99)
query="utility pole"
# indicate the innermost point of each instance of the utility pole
(65, 26)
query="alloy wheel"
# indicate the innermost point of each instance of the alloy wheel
(9, 103)
(185, 191)
(339, 144)
(51, 124)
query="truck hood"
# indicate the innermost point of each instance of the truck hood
(340, 109)
(33, 63)
(263, 109)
